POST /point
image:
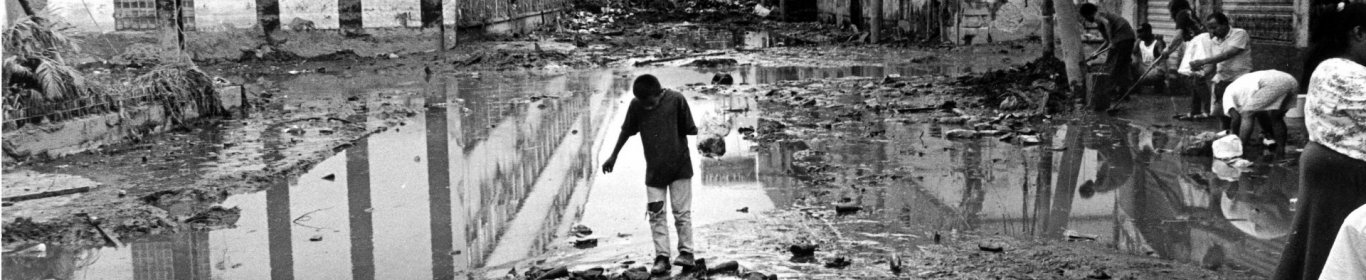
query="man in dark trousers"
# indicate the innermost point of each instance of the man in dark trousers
(663, 120)
(1119, 43)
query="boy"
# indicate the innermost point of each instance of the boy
(663, 119)
(1262, 97)
(1149, 52)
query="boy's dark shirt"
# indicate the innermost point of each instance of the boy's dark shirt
(663, 132)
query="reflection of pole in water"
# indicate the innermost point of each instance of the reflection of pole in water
(1044, 188)
(973, 194)
(1067, 181)
(279, 229)
(438, 184)
(362, 225)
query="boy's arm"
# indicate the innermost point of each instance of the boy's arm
(628, 128)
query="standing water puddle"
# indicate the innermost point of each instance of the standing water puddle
(493, 170)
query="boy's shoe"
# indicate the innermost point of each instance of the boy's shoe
(685, 259)
(661, 266)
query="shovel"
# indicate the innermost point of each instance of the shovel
(1115, 107)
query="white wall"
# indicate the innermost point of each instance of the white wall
(384, 13)
(86, 16)
(222, 15)
(323, 13)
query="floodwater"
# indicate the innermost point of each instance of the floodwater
(486, 175)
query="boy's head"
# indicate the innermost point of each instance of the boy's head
(647, 90)
(1145, 32)
(1088, 11)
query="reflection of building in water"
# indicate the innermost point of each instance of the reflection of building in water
(183, 255)
(729, 170)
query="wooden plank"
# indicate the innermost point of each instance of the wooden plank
(47, 194)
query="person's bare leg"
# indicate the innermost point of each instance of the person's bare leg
(1273, 127)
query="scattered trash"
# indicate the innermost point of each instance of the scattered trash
(591, 273)
(803, 253)
(743, 210)
(636, 273)
(581, 231)
(1099, 273)
(316, 238)
(847, 208)
(722, 79)
(1227, 147)
(1074, 235)
(996, 248)
(745, 130)
(895, 262)
(728, 267)
(330, 177)
(553, 273)
(713, 63)
(586, 243)
(960, 134)
(712, 147)
(758, 276)
(838, 263)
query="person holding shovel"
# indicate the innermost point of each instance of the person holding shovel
(663, 120)
(1119, 45)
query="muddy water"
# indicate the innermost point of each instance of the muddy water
(494, 170)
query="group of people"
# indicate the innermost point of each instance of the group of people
(1329, 238)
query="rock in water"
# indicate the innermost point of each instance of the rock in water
(712, 147)
(803, 253)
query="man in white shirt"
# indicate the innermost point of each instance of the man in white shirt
(1260, 97)
(1232, 53)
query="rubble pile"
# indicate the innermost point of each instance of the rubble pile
(1038, 83)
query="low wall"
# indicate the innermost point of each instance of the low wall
(220, 29)
(90, 132)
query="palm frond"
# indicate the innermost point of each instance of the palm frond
(39, 37)
(58, 81)
(14, 69)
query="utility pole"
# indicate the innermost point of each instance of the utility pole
(1050, 44)
(876, 27)
(1068, 29)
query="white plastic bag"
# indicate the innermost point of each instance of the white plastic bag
(1228, 147)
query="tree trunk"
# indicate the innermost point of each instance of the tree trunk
(1068, 28)
(876, 26)
(1050, 44)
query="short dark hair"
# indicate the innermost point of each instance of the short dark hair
(646, 86)
(1088, 9)
(1145, 27)
(1218, 17)
(1176, 6)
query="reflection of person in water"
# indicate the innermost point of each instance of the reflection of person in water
(1258, 210)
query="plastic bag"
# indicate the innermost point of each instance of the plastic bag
(1228, 147)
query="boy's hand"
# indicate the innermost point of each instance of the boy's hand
(609, 164)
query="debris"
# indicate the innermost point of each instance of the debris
(648, 62)
(960, 134)
(47, 194)
(1029, 140)
(837, 263)
(712, 62)
(722, 79)
(892, 78)
(745, 130)
(728, 267)
(1099, 273)
(591, 273)
(933, 274)
(109, 236)
(581, 231)
(316, 238)
(712, 147)
(847, 208)
(586, 243)
(554, 273)
(743, 210)
(636, 273)
(991, 247)
(758, 276)
(1074, 235)
(1229, 146)
(330, 177)
(895, 262)
(803, 253)
(37, 251)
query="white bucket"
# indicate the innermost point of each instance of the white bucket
(1297, 110)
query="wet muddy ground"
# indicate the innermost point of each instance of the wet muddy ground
(379, 170)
